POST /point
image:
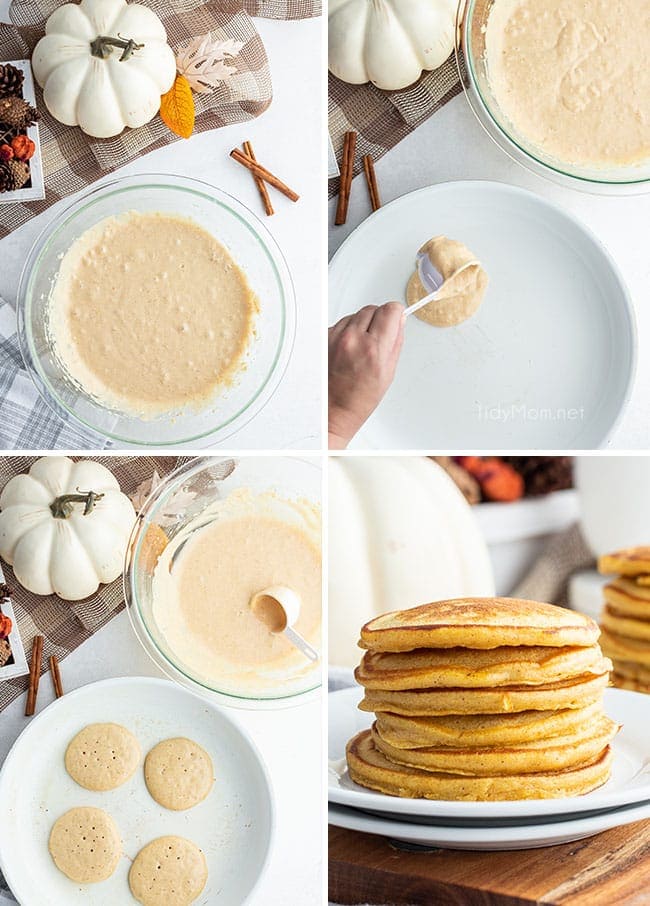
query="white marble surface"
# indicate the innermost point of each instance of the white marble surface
(289, 741)
(288, 140)
(451, 145)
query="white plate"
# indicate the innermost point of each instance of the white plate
(484, 838)
(628, 785)
(233, 826)
(547, 362)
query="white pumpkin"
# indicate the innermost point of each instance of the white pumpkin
(62, 544)
(400, 534)
(389, 42)
(103, 65)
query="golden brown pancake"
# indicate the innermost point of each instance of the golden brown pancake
(628, 598)
(470, 667)
(625, 682)
(370, 768)
(630, 561)
(626, 626)
(633, 585)
(630, 670)
(535, 757)
(573, 693)
(484, 729)
(479, 623)
(625, 649)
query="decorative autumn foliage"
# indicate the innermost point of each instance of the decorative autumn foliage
(23, 147)
(204, 62)
(498, 480)
(5, 626)
(177, 107)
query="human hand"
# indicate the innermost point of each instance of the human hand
(363, 352)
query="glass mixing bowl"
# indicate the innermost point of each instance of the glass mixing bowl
(471, 23)
(251, 245)
(182, 498)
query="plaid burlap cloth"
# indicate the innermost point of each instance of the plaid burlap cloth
(72, 160)
(384, 118)
(66, 624)
(548, 579)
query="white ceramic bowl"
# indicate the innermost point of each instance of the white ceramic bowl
(547, 362)
(234, 826)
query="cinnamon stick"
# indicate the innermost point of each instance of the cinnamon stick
(261, 185)
(34, 675)
(263, 173)
(56, 676)
(347, 172)
(371, 180)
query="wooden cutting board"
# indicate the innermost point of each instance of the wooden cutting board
(610, 869)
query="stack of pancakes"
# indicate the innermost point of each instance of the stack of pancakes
(483, 699)
(625, 621)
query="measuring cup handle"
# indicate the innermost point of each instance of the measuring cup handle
(420, 304)
(301, 644)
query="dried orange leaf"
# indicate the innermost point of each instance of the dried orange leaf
(177, 107)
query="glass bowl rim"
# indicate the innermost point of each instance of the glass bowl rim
(134, 609)
(463, 53)
(175, 182)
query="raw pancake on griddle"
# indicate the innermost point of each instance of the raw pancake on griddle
(370, 768)
(630, 561)
(572, 693)
(474, 667)
(456, 730)
(479, 623)
(538, 756)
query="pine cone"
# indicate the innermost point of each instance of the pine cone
(5, 652)
(466, 483)
(11, 80)
(6, 180)
(543, 474)
(16, 113)
(13, 175)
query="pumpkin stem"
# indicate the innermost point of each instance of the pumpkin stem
(103, 45)
(62, 507)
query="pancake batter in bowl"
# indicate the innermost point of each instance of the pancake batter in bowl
(150, 313)
(572, 76)
(205, 579)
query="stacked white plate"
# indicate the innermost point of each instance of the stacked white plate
(522, 824)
